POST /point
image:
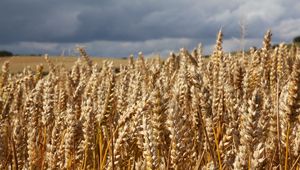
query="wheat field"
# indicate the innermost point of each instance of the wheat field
(19, 63)
(231, 112)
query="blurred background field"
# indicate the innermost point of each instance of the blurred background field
(18, 63)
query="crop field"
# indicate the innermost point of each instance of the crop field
(18, 63)
(227, 112)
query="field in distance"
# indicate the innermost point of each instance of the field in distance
(18, 63)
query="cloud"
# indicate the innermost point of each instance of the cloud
(288, 29)
(121, 27)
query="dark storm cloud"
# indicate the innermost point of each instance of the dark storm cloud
(78, 21)
(142, 21)
(105, 25)
(33, 20)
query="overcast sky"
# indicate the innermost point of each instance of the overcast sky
(121, 27)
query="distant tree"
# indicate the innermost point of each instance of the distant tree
(296, 39)
(5, 53)
(275, 46)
